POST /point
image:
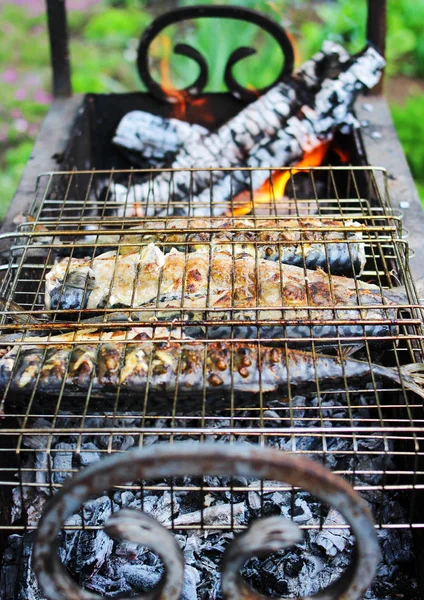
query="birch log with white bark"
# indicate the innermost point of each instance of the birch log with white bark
(273, 131)
(155, 138)
(313, 125)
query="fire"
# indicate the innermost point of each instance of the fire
(252, 88)
(180, 98)
(276, 185)
(342, 154)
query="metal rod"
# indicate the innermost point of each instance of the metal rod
(59, 50)
(376, 33)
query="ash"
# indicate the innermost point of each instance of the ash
(113, 568)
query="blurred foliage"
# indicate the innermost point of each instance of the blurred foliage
(104, 45)
(409, 122)
(344, 21)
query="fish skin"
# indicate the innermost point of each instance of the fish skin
(275, 239)
(136, 279)
(162, 284)
(162, 365)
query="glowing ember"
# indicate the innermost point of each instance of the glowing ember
(180, 98)
(274, 187)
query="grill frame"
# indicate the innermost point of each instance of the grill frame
(388, 242)
(68, 135)
(397, 426)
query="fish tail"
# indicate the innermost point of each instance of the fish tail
(419, 287)
(411, 376)
(13, 309)
(400, 293)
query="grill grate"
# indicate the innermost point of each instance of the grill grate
(371, 433)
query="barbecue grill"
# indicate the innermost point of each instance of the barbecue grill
(368, 431)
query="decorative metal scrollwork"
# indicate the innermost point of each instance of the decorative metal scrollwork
(228, 12)
(264, 536)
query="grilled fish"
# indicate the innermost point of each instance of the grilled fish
(127, 361)
(297, 242)
(220, 287)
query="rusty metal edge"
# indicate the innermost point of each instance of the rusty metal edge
(383, 148)
(169, 460)
(51, 143)
(59, 48)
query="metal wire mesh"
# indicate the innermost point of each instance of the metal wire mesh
(370, 432)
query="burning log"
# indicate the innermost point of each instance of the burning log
(314, 124)
(153, 141)
(157, 139)
(289, 120)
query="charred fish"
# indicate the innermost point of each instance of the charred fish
(220, 287)
(329, 244)
(126, 360)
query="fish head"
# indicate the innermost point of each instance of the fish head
(73, 291)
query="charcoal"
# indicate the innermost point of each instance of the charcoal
(93, 547)
(114, 568)
(119, 442)
(37, 442)
(302, 514)
(27, 587)
(218, 515)
(41, 464)
(254, 500)
(23, 494)
(141, 578)
(292, 564)
(89, 454)
(333, 540)
(104, 585)
(70, 539)
(396, 547)
(9, 574)
(126, 499)
(35, 508)
(191, 580)
(191, 546)
(165, 508)
(62, 460)
(127, 549)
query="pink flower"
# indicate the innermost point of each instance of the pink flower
(32, 79)
(9, 76)
(21, 125)
(38, 30)
(33, 129)
(15, 113)
(21, 94)
(35, 7)
(42, 97)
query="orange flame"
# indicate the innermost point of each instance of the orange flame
(276, 185)
(252, 88)
(342, 154)
(179, 97)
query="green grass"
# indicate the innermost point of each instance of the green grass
(103, 49)
(409, 123)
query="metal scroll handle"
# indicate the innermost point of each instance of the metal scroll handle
(227, 12)
(263, 537)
